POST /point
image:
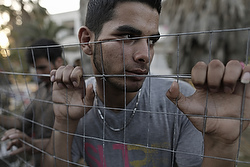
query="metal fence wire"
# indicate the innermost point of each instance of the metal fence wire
(19, 84)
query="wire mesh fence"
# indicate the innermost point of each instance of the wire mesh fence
(21, 87)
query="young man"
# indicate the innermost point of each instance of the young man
(44, 59)
(123, 118)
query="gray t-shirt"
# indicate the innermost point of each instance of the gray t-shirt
(158, 134)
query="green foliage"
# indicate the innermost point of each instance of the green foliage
(27, 24)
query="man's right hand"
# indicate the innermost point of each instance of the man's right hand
(70, 96)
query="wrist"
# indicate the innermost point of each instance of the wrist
(65, 125)
(219, 153)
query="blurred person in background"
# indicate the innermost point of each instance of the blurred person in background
(44, 55)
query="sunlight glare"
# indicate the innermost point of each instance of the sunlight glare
(64, 5)
(4, 41)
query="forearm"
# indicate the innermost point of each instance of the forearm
(219, 154)
(60, 144)
(40, 144)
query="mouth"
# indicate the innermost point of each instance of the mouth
(137, 75)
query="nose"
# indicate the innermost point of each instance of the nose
(142, 52)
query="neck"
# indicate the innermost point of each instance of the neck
(114, 98)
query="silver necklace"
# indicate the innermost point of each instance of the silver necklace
(130, 119)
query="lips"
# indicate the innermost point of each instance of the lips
(137, 74)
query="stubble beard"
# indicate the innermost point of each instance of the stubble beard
(117, 82)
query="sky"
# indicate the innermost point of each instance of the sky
(60, 6)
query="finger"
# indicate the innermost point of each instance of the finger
(14, 142)
(8, 133)
(176, 96)
(9, 145)
(233, 72)
(76, 77)
(244, 82)
(57, 77)
(215, 75)
(245, 78)
(18, 151)
(57, 73)
(52, 75)
(199, 75)
(66, 74)
(17, 135)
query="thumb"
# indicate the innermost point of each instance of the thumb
(176, 96)
(89, 97)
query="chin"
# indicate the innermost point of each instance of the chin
(133, 89)
(131, 86)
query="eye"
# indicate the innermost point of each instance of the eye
(128, 36)
(129, 39)
(153, 40)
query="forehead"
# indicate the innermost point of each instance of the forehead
(135, 14)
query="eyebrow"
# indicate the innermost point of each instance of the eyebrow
(132, 30)
(127, 28)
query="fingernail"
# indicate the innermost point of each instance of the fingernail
(171, 87)
(242, 65)
(52, 78)
(75, 84)
(245, 79)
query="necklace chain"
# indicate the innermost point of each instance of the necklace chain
(130, 119)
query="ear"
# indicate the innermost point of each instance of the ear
(84, 36)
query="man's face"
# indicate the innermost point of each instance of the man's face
(43, 66)
(129, 57)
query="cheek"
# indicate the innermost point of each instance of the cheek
(113, 52)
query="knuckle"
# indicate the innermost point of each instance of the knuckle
(199, 73)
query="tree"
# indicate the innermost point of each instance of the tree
(28, 21)
(35, 24)
(36, 29)
(199, 16)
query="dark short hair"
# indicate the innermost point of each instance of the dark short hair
(102, 11)
(39, 50)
